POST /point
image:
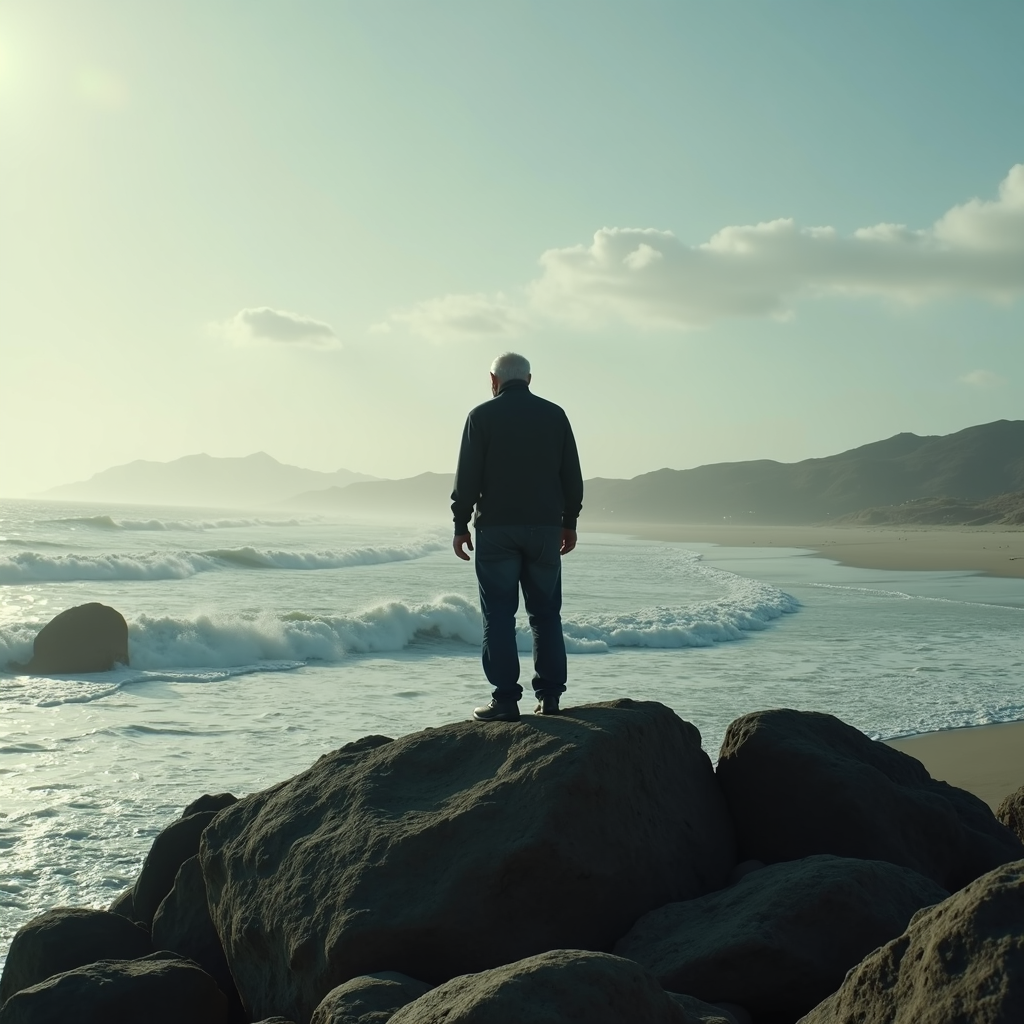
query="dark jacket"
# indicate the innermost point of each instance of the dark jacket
(518, 464)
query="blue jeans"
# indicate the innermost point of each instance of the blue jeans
(508, 557)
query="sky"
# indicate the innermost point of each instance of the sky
(720, 230)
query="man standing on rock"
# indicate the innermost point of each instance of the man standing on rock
(519, 466)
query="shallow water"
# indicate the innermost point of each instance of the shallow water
(260, 641)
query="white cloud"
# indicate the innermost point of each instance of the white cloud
(648, 278)
(981, 379)
(450, 316)
(277, 325)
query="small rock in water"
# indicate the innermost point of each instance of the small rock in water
(87, 638)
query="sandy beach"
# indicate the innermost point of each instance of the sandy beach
(987, 761)
(993, 550)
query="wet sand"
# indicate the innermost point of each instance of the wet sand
(991, 550)
(986, 760)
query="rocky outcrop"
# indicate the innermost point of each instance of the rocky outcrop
(182, 924)
(800, 783)
(370, 999)
(550, 988)
(711, 1013)
(782, 938)
(87, 638)
(65, 938)
(171, 848)
(1011, 813)
(961, 962)
(158, 989)
(461, 848)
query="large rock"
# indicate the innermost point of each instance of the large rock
(65, 938)
(961, 962)
(171, 848)
(1011, 813)
(457, 849)
(550, 988)
(370, 999)
(182, 924)
(157, 990)
(800, 783)
(87, 638)
(782, 938)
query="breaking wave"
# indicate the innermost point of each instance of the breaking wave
(36, 567)
(169, 525)
(232, 644)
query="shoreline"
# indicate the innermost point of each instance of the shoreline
(985, 550)
(986, 760)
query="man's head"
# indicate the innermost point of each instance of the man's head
(509, 366)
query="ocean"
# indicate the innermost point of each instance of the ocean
(260, 640)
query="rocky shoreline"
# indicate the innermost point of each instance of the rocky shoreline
(593, 867)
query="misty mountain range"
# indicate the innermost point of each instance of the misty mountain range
(972, 465)
(202, 480)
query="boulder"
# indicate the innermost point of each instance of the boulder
(209, 802)
(182, 924)
(1011, 813)
(65, 938)
(370, 999)
(710, 1013)
(171, 848)
(782, 938)
(87, 638)
(157, 989)
(800, 783)
(961, 962)
(550, 988)
(461, 848)
(124, 905)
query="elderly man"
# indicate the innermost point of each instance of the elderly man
(519, 466)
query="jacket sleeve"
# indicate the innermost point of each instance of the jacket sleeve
(571, 477)
(468, 476)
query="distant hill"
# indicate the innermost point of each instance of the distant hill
(428, 494)
(976, 463)
(1004, 510)
(245, 482)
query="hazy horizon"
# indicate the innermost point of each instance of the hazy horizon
(721, 232)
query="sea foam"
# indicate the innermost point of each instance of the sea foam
(244, 642)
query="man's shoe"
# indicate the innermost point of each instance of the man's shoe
(548, 706)
(498, 711)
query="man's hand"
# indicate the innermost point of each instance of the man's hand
(568, 542)
(464, 540)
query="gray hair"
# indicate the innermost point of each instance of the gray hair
(511, 366)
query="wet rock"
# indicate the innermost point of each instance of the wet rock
(65, 938)
(157, 989)
(370, 999)
(171, 848)
(461, 848)
(1011, 813)
(182, 924)
(87, 638)
(782, 938)
(961, 962)
(550, 988)
(800, 783)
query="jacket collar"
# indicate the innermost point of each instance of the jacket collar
(513, 385)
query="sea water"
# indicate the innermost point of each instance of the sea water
(258, 641)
